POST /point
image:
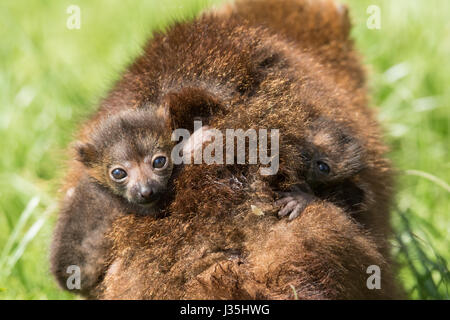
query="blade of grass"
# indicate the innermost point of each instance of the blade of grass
(429, 177)
(24, 216)
(31, 233)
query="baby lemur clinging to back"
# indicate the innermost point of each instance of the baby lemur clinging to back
(127, 168)
(330, 158)
(123, 166)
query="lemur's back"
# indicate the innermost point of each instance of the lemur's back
(272, 64)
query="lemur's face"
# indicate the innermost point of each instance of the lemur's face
(130, 154)
(331, 154)
(141, 180)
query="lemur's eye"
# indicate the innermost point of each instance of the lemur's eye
(323, 167)
(118, 174)
(159, 162)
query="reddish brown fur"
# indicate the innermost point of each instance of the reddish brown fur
(269, 64)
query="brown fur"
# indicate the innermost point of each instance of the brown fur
(291, 75)
(287, 65)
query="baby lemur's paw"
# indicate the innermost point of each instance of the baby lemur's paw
(293, 203)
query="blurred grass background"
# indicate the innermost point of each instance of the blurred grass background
(52, 77)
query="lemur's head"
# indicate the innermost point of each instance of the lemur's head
(129, 153)
(331, 153)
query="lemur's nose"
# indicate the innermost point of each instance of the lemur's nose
(145, 192)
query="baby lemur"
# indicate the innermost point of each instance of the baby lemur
(331, 157)
(123, 166)
(127, 168)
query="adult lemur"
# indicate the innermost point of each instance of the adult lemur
(286, 65)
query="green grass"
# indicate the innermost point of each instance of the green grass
(52, 77)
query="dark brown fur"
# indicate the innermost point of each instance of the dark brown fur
(79, 239)
(286, 65)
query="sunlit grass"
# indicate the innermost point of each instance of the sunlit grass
(52, 77)
(409, 76)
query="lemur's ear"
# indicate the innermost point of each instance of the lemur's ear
(86, 153)
(188, 104)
